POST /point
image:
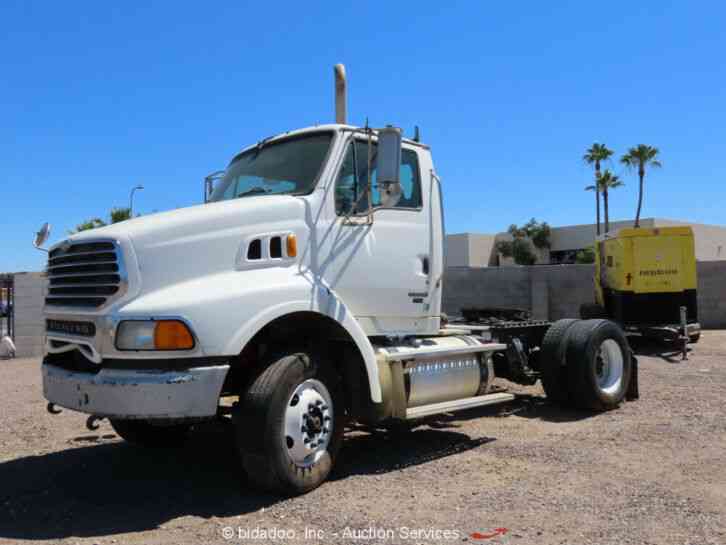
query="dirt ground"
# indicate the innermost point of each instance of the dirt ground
(653, 471)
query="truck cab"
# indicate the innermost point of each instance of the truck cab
(286, 230)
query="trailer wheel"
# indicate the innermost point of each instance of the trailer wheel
(590, 311)
(145, 434)
(290, 424)
(599, 364)
(553, 362)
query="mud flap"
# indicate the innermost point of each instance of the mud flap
(633, 392)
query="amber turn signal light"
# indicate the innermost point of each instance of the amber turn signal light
(172, 335)
(291, 245)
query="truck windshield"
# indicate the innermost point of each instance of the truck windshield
(286, 167)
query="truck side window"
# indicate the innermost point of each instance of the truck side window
(347, 185)
(353, 177)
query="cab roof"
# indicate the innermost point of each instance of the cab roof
(337, 127)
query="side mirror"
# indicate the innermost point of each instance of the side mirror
(209, 183)
(41, 237)
(389, 166)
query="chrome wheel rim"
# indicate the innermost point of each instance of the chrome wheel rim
(609, 364)
(308, 423)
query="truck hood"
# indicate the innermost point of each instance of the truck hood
(183, 244)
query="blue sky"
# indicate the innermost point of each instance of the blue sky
(95, 99)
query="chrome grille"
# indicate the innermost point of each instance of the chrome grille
(84, 274)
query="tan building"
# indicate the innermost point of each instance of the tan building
(470, 250)
(479, 250)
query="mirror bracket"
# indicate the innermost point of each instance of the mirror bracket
(209, 183)
(41, 237)
(389, 140)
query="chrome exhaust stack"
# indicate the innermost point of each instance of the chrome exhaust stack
(341, 93)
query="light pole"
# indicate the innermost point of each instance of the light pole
(131, 200)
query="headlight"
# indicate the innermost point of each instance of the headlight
(154, 335)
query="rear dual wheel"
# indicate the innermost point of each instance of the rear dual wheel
(599, 364)
(553, 358)
(586, 364)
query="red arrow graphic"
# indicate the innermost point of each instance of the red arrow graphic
(496, 532)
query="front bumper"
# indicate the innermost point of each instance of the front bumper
(123, 393)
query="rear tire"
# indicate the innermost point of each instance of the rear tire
(553, 361)
(599, 365)
(592, 311)
(145, 434)
(290, 424)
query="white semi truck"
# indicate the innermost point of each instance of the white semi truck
(303, 294)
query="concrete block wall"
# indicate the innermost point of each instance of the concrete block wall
(712, 294)
(507, 287)
(568, 286)
(30, 291)
(552, 292)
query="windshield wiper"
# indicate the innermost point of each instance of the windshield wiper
(254, 191)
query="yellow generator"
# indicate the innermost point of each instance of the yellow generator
(644, 277)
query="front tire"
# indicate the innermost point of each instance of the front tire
(145, 434)
(599, 365)
(290, 424)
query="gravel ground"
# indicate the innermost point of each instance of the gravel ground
(653, 471)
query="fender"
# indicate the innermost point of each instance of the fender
(324, 302)
(244, 308)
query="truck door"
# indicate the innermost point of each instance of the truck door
(379, 269)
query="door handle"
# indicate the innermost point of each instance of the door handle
(425, 265)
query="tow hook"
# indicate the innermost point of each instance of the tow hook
(91, 422)
(51, 408)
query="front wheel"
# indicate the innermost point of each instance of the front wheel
(290, 424)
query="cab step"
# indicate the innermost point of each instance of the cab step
(457, 405)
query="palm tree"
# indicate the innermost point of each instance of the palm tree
(641, 156)
(596, 189)
(596, 154)
(606, 182)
